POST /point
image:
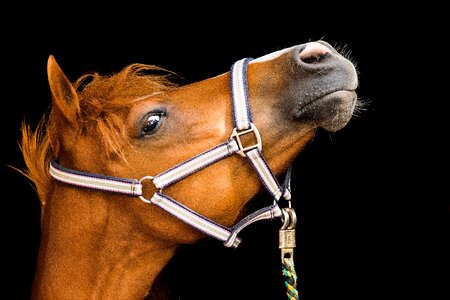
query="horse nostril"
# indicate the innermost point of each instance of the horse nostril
(314, 53)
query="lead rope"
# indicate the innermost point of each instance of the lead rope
(287, 243)
(291, 279)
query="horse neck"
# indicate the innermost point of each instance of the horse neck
(90, 249)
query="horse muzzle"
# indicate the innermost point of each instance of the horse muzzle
(316, 84)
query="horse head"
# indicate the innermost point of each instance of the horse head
(138, 124)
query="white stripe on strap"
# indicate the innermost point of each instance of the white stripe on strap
(101, 182)
(187, 215)
(239, 93)
(264, 172)
(266, 213)
(195, 164)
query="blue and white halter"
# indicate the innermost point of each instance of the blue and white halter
(243, 125)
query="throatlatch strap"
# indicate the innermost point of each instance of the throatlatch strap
(194, 219)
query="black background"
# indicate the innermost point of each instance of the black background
(365, 230)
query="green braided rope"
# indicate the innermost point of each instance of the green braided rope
(291, 279)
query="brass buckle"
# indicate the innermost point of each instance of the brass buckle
(237, 136)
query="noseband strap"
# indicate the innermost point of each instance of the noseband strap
(243, 126)
(239, 93)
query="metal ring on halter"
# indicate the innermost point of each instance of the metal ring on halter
(285, 218)
(141, 180)
(293, 218)
(289, 218)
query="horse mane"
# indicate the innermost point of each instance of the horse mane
(101, 98)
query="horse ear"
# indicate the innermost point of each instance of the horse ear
(63, 93)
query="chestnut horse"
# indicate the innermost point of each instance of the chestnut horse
(194, 154)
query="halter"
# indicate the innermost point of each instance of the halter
(242, 126)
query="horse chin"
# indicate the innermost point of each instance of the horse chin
(331, 112)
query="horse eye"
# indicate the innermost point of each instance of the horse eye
(151, 123)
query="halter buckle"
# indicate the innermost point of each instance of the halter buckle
(237, 136)
(287, 234)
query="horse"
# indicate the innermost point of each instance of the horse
(129, 166)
